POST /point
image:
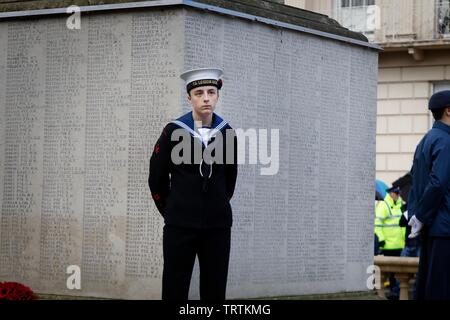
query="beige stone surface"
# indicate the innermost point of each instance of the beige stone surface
(382, 91)
(388, 107)
(447, 72)
(409, 143)
(421, 124)
(400, 59)
(401, 90)
(381, 161)
(400, 124)
(422, 90)
(382, 125)
(423, 73)
(389, 75)
(388, 143)
(399, 162)
(414, 106)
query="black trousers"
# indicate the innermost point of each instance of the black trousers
(180, 247)
(433, 280)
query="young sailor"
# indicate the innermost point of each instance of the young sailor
(193, 170)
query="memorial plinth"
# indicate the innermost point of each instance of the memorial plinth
(81, 109)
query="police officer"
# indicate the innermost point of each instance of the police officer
(193, 170)
(391, 235)
(429, 202)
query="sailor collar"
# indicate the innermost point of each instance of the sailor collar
(187, 122)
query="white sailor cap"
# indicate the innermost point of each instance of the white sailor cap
(202, 77)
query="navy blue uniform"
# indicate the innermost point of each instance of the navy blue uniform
(194, 200)
(429, 201)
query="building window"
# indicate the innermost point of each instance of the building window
(441, 85)
(443, 18)
(357, 3)
(359, 15)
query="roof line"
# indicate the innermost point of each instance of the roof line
(99, 7)
(281, 24)
(193, 4)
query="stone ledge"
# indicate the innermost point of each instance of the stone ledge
(355, 295)
(45, 296)
(359, 295)
(397, 264)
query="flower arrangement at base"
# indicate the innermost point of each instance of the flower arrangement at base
(15, 291)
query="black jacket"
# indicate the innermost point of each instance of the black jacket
(182, 195)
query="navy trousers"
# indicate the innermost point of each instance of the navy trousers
(433, 280)
(180, 247)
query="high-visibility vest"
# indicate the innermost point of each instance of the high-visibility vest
(387, 223)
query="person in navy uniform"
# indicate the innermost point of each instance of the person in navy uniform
(194, 196)
(429, 202)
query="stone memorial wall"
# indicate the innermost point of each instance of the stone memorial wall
(80, 111)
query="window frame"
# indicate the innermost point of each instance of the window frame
(356, 3)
